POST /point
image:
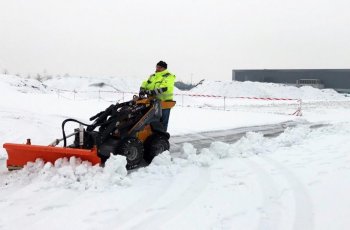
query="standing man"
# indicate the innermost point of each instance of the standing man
(161, 85)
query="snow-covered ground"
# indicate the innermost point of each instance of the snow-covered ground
(297, 180)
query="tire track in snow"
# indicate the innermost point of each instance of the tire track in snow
(270, 208)
(304, 218)
(168, 211)
(141, 205)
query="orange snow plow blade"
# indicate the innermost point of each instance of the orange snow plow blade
(20, 154)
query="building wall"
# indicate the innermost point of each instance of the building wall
(331, 78)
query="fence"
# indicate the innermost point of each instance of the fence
(275, 105)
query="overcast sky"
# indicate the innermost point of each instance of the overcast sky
(198, 38)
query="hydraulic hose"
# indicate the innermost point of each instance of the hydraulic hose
(64, 133)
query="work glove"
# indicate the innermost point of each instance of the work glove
(156, 91)
(150, 92)
(142, 92)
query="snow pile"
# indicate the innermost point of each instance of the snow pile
(162, 159)
(187, 151)
(256, 143)
(88, 85)
(162, 165)
(20, 84)
(81, 175)
(74, 88)
(94, 83)
(259, 89)
(251, 144)
(71, 174)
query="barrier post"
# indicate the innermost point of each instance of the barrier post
(182, 97)
(298, 111)
(99, 95)
(300, 103)
(224, 103)
(74, 92)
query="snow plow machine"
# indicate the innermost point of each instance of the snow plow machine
(132, 129)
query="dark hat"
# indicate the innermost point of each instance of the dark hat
(162, 64)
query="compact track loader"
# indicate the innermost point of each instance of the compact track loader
(132, 129)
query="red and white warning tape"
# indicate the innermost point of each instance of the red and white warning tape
(296, 113)
(199, 95)
(267, 98)
(254, 98)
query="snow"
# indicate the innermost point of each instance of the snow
(257, 89)
(72, 174)
(295, 180)
(94, 83)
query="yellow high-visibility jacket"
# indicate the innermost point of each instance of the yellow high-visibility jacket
(161, 80)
